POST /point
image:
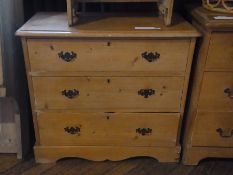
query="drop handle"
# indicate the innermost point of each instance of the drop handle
(146, 92)
(72, 130)
(151, 56)
(67, 56)
(144, 131)
(226, 133)
(71, 94)
(229, 92)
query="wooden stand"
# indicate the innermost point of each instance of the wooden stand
(165, 9)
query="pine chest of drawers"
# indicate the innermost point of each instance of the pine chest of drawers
(104, 90)
(209, 128)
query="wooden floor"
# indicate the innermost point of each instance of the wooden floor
(9, 165)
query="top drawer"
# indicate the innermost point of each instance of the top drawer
(108, 55)
(220, 54)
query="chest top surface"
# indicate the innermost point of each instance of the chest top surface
(55, 25)
(213, 21)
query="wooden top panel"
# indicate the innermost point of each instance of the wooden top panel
(206, 18)
(56, 25)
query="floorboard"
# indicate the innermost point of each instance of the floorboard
(9, 165)
(7, 161)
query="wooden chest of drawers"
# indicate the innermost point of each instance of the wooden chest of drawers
(104, 90)
(209, 129)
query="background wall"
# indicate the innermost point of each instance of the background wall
(14, 75)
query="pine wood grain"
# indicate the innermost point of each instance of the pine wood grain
(195, 154)
(55, 25)
(49, 154)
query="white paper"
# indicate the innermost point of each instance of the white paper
(147, 28)
(223, 17)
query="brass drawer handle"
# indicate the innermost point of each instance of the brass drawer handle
(70, 93)
(67, 56)
(73, 130)
(146, 92)
(144, 131)
(229, 92)
(225, 133)
(150, 56)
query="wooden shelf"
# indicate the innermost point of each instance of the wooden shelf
(165, 9)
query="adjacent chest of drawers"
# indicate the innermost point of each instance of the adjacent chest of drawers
(104, 90)
(209, 129)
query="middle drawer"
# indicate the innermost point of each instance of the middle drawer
(217, 92)
(150, 94)
(108, 55)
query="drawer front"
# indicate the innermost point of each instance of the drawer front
(213, 129)
(89, 129)
(217, 92)
(220, 55)
(112, 55)
(125, 93)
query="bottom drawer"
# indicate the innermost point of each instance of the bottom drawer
(213, 129)
(108, 129)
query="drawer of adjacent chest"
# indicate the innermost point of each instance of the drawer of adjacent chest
(108, 55)
(213, 129)
(217, 92)
(99, 129)
(123, 93)
(220, 54)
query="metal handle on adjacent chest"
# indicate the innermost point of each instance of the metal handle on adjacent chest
(72, 130)
(151, 56)
(146, 92)
(70, 93)
(229, 92)
(67, 56)
(225, 132)
(144, 131)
